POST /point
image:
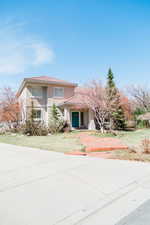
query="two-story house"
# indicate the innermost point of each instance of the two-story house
(41, 92)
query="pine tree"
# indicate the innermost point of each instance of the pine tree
(111, 89)
(117, 116)
(110, 79)
(55, 115)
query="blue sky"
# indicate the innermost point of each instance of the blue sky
(76, 40)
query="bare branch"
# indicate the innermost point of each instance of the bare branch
(141, 96)
(94, 97)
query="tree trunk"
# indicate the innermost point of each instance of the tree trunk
(102, 129)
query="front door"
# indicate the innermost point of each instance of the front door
(75, 119)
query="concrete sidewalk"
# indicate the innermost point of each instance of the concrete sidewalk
(39, 187)
(140, 216)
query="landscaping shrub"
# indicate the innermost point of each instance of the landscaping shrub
(56, 120)
(15, 128)
(133, 149)
(143, 148)
(4, 128)
(142, 124)
(34, 129)
(2, 132)
(130, 125)
(66, 128)
(146, 146)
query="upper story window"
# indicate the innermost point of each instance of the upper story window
(58, 92)
(36, 92)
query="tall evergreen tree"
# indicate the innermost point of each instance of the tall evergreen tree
(117, 116)
(111, 89)
(110, 79)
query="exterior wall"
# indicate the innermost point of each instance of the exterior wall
(68, 92)
(47, 97)
(37, 102)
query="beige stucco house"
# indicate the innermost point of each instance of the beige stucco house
(43, 91)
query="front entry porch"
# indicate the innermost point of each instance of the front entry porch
(79, 118)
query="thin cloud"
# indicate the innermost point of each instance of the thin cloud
(42, 54)
(19, 53)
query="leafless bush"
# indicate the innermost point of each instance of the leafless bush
(133, 149)
(34, 129)
(146, 146)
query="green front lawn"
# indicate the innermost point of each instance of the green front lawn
(69, 142)
(131, 138)
(58, 143)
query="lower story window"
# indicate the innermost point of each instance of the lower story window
(37, 114)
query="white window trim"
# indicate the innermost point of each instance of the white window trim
(38, 119)
(54, 92)
(40, 96)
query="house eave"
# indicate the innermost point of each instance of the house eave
(78, 105)
(31, 81)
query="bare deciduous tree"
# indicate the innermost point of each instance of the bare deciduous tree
(9, 107)
(94, 97)
(141, 96)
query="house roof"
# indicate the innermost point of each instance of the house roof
(49, 79)
(45, 80)
(78, 99)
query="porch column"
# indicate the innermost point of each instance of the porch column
(47, 115)
(91, 125)
(67, 114)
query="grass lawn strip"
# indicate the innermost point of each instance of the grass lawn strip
(69, 142)
(58, 143)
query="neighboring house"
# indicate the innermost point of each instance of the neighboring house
(145, 118)
(43, 91)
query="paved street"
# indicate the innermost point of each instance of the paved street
(39, 187)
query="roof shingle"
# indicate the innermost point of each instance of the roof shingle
(50, 79)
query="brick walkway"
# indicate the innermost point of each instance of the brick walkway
(97, 146)
(94, 144)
